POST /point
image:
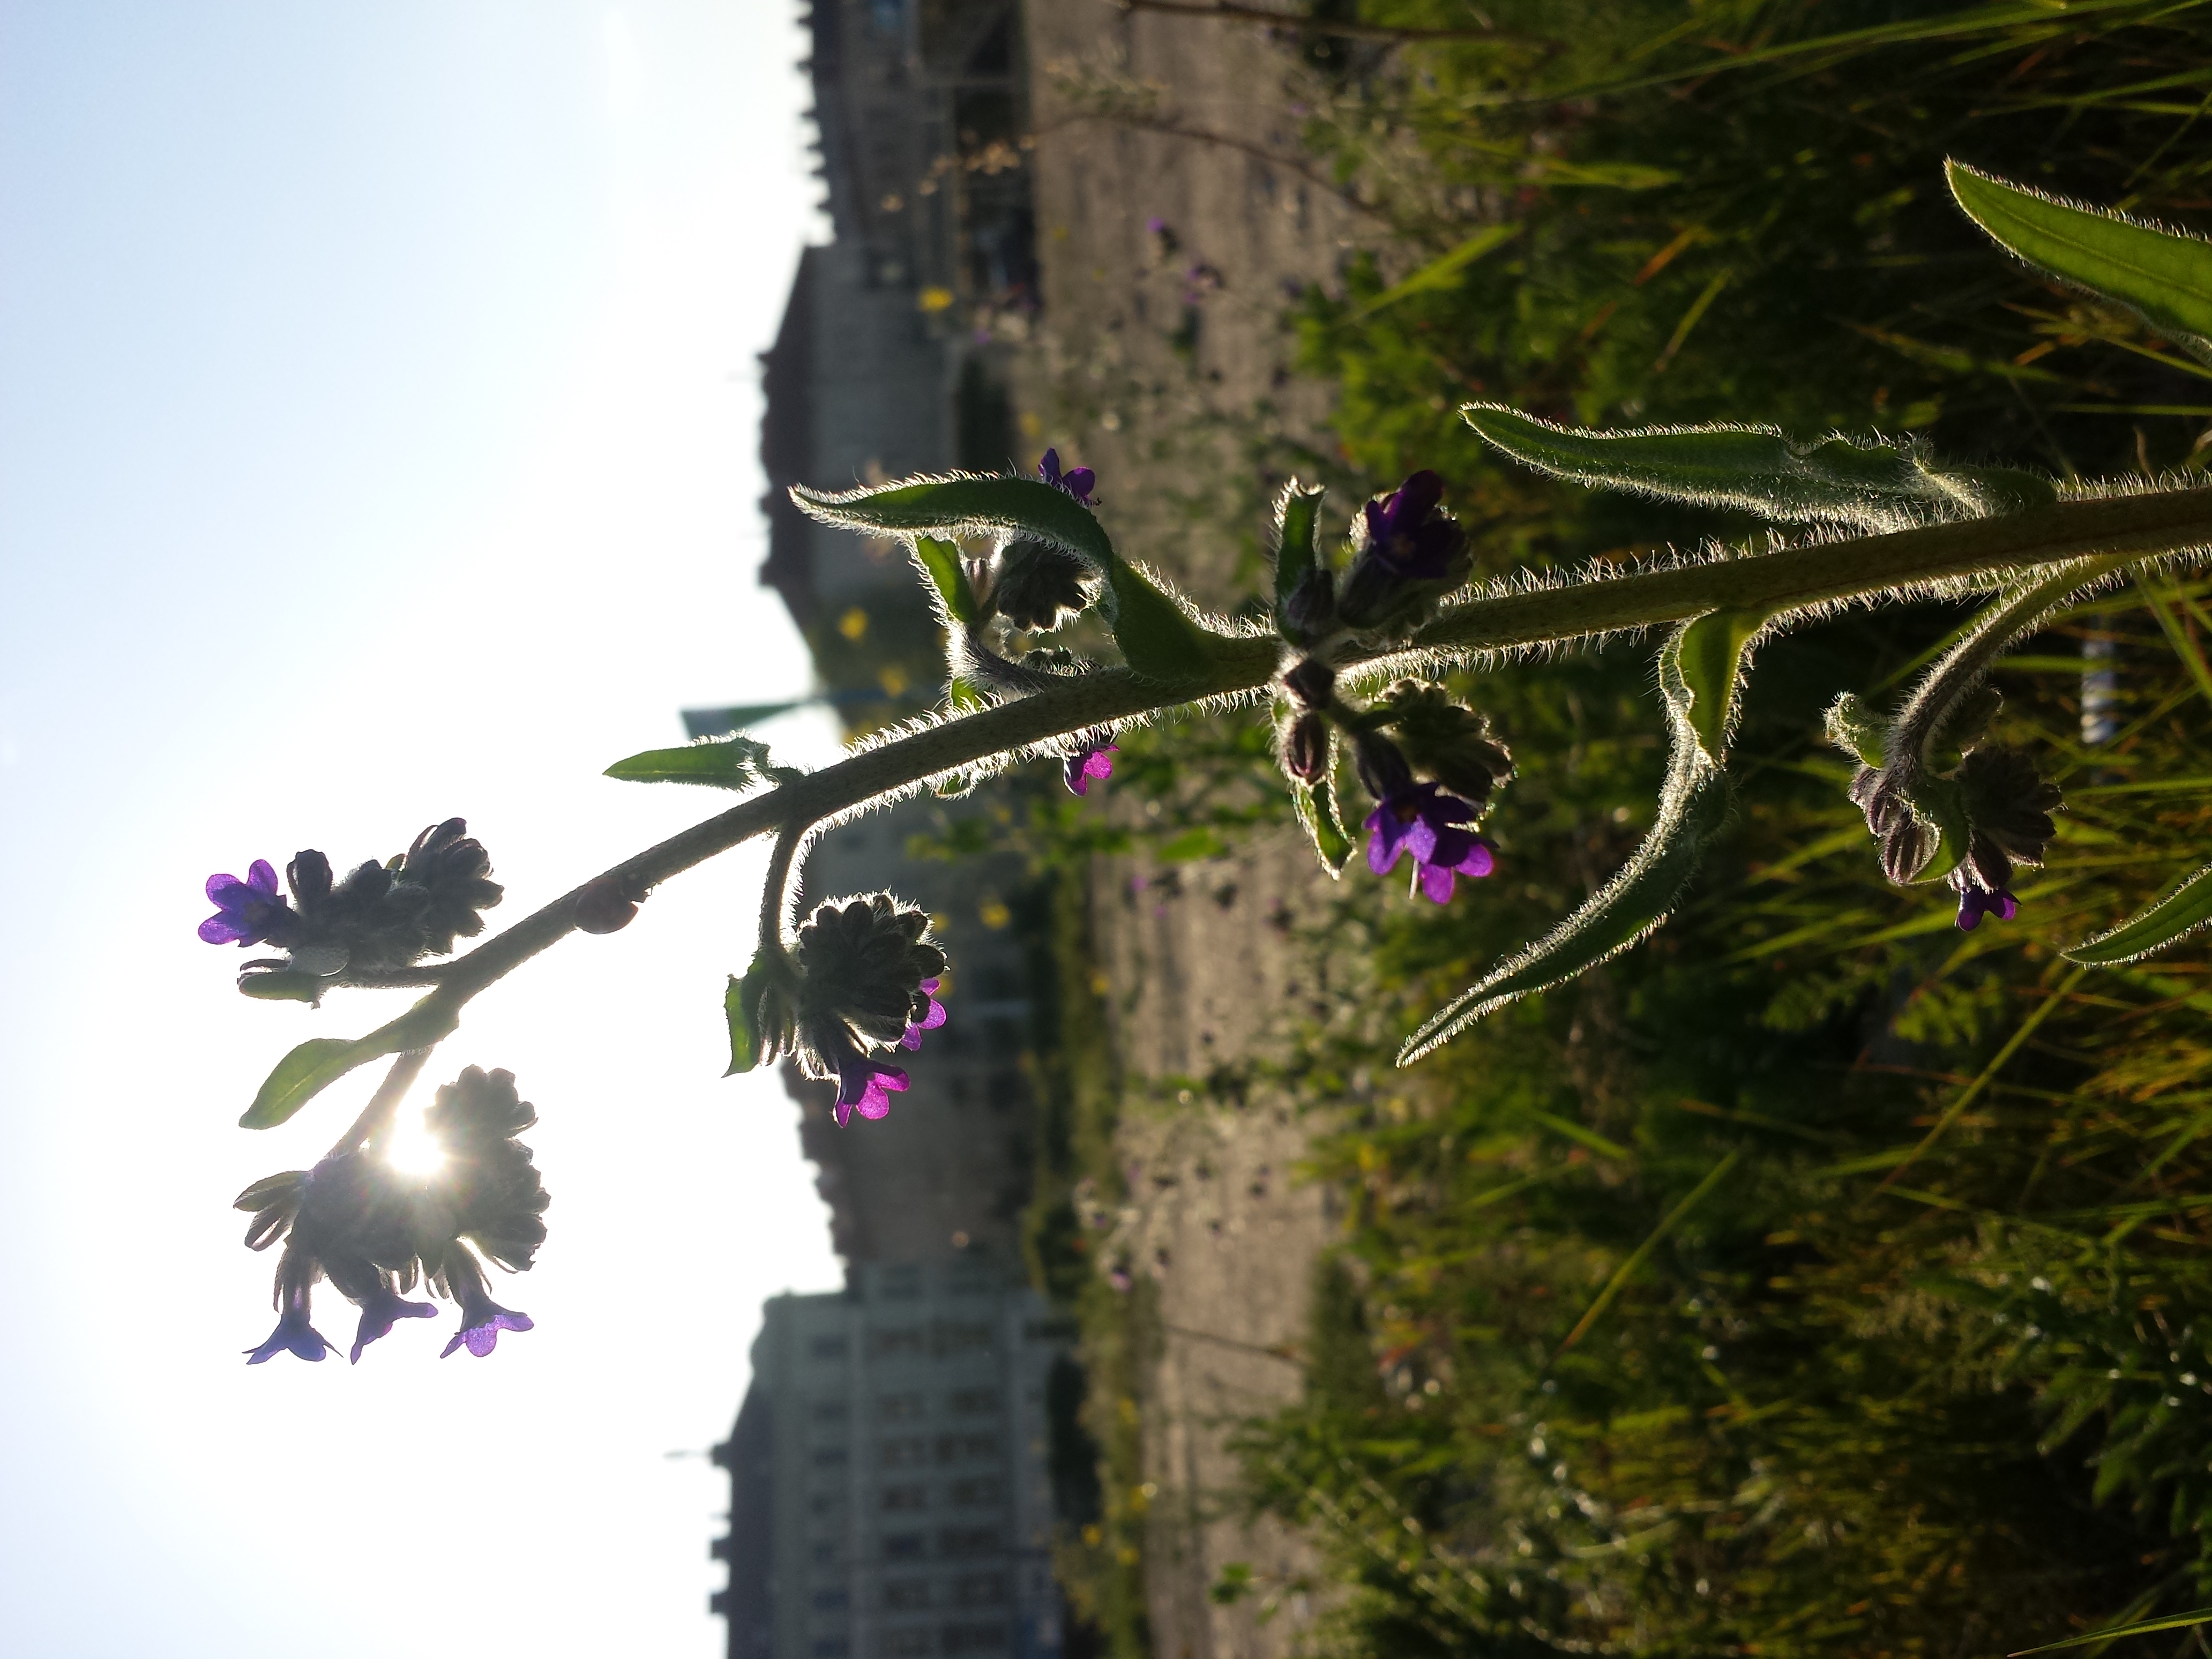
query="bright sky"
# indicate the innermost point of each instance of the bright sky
(377, 419)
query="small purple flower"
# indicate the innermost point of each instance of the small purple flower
(1076, 482)
(1403, 533)
(246, 912)
(866, 1086)
(1437, 828)
(386, 1308)
(936, 1016)
(482, 1320)
(1974, 903)
(1093, 760)
(293, 1334)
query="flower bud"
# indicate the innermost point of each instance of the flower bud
(1308, 612)
(1306, 748)
(1311, 683)
(1382, 770)
(1036, 586)
(1443, 740)
(1411, 553)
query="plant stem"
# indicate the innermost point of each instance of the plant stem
(1794, 579)
(376, 1117)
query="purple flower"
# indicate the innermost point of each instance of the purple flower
(1437, 828)
(1405, 536)
(1974, 903)
(384, 1308)
(866, 1086)
(912, 1041)
(293, 1334)
(1076, 482)
(482, 1320)
(246, 912)
(1092, 761)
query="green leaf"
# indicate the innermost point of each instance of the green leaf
(1316, 808)
(734, 761)
(320, 1061)
(966, 504)
(739, 1005)
(2178, 1621)
(1693, 806)
(1757, 470)
(283, 987)
(948, 578)
(2164, 276)
(1709, 654)
(1157, 638)
(2183, 911)
(1298, 536)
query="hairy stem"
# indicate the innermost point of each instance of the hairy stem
(775, 892)
(1792, 581)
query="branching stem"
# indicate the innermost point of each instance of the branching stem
(1794, 579)
(376, 1117)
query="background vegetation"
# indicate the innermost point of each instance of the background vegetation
(1817, 1278)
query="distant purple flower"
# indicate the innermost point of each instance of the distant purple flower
(293, 1334)
(1974, 903)
(386, 1308)
(866, 1086)
(1076, 481)
(1436, 828)
(1094, 761)
(482, 1320)
(912, 1041)
(246, 912)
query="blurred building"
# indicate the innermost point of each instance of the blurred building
(889, 1494)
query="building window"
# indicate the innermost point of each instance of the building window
(909, 1341)
(902, 1546)
(831, 1647)
(906, 1644)
(827, 1348)
(828, 1411)
(962, 1338)
(974, 1403)
(908, 1452)
(965, 1448)
(823, 1502)
(969, 1540)
(907, 1593)
(905, 1499)
(975, 1638)
(899, 1284)
(899, 1408)
(972, 1492)
(826, 1552)
(828, 1457)
(980, 1589)
(830, 1601)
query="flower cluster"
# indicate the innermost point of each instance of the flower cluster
(1033, 585)
(375, 1232)
(379, 918)
(864, 977)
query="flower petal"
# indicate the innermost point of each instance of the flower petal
(262, 877)
(221, 930)
(1436, 881)
(219, 885)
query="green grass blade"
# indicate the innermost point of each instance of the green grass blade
(2179, 1621)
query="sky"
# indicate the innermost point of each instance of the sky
(378, 416)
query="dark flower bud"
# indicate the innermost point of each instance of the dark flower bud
(1381, 765)
(867, 976)
(602, 905)
(1037, 586)
(1311, 684)
(1308, 612)
(1907, 843)
(452, 872)
(489, 1183)
(2009, 807)
(1306, 748)
(1409, 553)
(1447, 742)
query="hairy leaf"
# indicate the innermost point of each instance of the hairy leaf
(1642, 893)
(1157, 638)
(2183, 911)
(948, 576)
(1757, 470)
(734, 761)
(1711, 658)
(1298, 536)
(966, 504)
(2162, 275)
(740, 1003)
(1316, 810)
